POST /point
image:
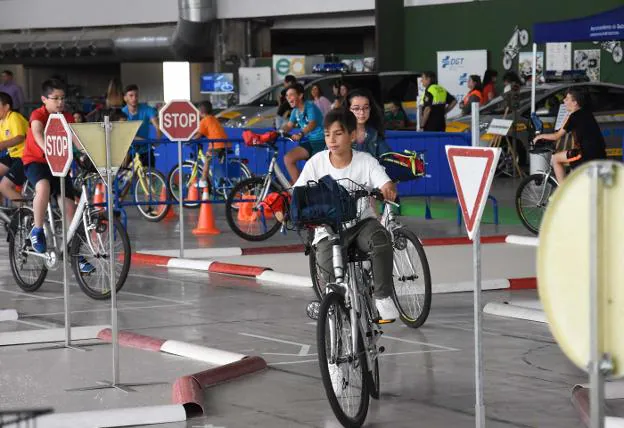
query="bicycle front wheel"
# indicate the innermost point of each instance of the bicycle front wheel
(412, 279)
(532, 198)
(187, 180)
(244, 216)
(28, 270)
(344, 370)
(151, 188)
(92, 247)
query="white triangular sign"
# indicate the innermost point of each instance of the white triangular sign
(473, 170)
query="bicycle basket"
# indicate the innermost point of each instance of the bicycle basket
(403, 166)
(327, 202)
(252, 139)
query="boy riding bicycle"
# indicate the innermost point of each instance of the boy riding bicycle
(13, 130)
(589, 144)
(309, 118)
(37, 169)
(341, 161)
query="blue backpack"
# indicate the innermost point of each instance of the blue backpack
(323, 202)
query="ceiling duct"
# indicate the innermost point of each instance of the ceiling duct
(194, 36)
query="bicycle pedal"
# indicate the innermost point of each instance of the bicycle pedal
(380, 321)
(381, 349)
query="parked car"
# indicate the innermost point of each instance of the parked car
(261, 111)
(606, 101)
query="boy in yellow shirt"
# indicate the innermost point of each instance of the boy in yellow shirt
(13, 130)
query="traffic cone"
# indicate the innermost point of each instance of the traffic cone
(245, 209)
(206, 224)
(193, 192)
(98, 196)
(171, 214)
(163, 198)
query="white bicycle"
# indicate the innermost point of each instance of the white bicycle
(88, 247)
(519, 39)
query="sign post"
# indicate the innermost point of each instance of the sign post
(179, 121)
(98, 139)
(473, 170)
(59, 155)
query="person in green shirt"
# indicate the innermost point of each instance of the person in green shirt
(395, 118)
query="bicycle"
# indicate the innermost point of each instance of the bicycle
(534, 191)
(410, 271)
(87, 238)
(244, 212)
(146, 183)
(220, 180)
(348, 324)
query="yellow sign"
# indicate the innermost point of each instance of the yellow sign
(563, 261)
(92, 139)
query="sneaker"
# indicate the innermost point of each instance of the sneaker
(387, 309)
(85, 266)
(38, 240)
(203, 183)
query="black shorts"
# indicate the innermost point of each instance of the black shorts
(16, 169)
(148, 159)
(313, 147)
(36, 172)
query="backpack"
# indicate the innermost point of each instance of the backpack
(322, 202)
(403, 166)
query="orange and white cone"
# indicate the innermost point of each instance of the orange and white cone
(193, 192)
(206, 224)
(98, 196)
(245, 209)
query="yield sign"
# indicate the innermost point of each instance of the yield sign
(473, 170)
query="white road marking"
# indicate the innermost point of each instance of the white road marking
(163, 299)
(303, 352)
(129, 308)
(414, 342)
(34, 296)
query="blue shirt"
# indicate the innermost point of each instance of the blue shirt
(310, 113)
(144, 113)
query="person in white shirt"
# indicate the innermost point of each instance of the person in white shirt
(341, 161)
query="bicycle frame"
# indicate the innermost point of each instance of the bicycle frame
(273, 171)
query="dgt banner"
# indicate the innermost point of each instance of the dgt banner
(454, 68)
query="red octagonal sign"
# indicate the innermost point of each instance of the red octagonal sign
(179, 120)
(58, 145)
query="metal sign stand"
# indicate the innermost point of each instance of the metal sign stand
(181, 197)
(600, 364)
(114, 384)
(478, 314)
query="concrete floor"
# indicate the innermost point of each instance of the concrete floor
(427, 375)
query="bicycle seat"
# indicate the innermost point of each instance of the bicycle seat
(354, 254)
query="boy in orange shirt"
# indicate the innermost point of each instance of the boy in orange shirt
(37, 169)
(210, 128)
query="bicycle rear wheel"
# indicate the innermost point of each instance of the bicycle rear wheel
(187, 177)
(28, 270)
(152, 188)
(244, 217)
(237, 172)
(344, 370)
(532, 199)
(92, 246)
(412, 279)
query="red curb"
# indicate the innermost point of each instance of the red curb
(523, 284)
(462, 240)
(232, 269)
(132, 340)
(230, 371)
(150, 259)
(188, 392)
(580, 401)
(278, 249)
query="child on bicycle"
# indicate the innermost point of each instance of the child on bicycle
(37, 170)
(309, 118)
(589, 144)
(341, 161)
(13, 130)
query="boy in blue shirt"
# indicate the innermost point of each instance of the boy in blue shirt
(309, 118)
(146, 114)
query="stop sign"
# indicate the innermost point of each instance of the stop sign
(179, 120)
(58, 145)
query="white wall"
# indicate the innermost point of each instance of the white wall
(149, 77)
(22, 14)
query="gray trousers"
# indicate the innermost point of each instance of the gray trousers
(367, 236)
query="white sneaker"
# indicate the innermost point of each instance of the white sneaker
(387, 309)
(203, 183)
